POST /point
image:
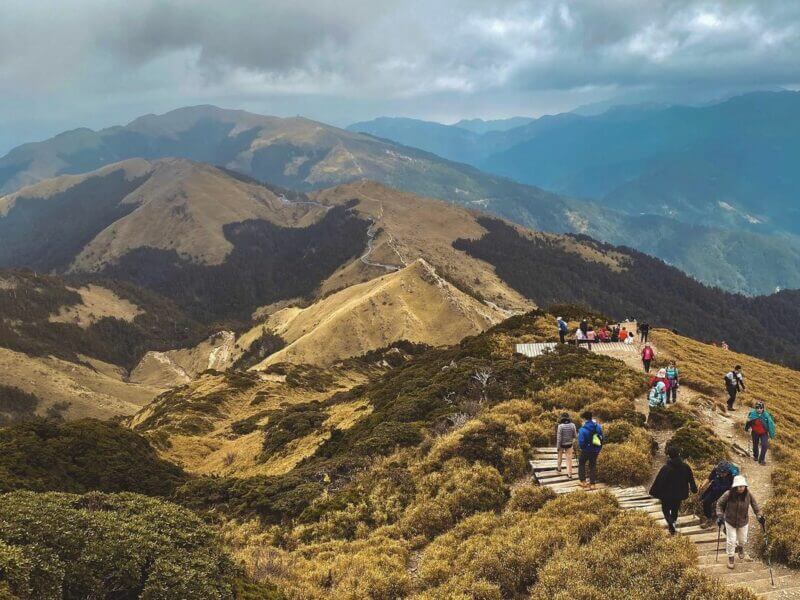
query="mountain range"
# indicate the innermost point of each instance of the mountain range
(698, 183)
(304, 155)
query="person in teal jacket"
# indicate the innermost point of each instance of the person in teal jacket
(657, 398)
(761, 426)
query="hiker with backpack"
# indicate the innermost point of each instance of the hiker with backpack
(657, 397)
(672, 376)
(719, 481)
(672, 485)
(566, 434)
(761, 426)
(647, 357)
(644, 331)
(590, 442)
(733, 510)
(562, 329)
(734, 383)
(584, 327)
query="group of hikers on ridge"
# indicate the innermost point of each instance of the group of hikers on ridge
(585, 333)
(725, 495)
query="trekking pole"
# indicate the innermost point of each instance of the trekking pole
(719, 534)
(766, 545)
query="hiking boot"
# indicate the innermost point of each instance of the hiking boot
(583, 484)
(730, 562)
(671, 529)
(740, 552)
(706, 524)
(763, 463)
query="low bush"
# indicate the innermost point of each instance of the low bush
(509, 549)
(661, 419)
(619, 409)
(571, 395)
(529, 498)
(630, 559)
(80, 456)
(698, 444)
(626, 463)
(16, 404)
(64, 546)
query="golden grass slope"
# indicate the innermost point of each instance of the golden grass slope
(409, 227)
(94, 389)
(414, 304)
(177, 367)
(192, 425)
(97, 303)
(184, 206)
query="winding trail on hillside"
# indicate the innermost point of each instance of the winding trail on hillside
(372, 232)
(752, 574)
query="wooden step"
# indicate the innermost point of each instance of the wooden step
(788, 591)
(721, 568)
(746, 573)
(764, 584)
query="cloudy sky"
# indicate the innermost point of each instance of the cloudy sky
(101, 62)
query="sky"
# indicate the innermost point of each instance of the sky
(98, 63)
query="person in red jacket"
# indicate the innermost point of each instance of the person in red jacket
(647, 356)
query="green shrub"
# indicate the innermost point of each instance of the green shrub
(102, 546)
(698, 443)
(80, 456)
(629, 559)
(661, 419)
(529, 498)
(616, 410)
(627, 463)
(509, 549)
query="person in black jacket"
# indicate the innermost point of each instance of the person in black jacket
(672, 485)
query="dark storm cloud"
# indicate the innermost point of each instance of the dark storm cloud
(100, 58)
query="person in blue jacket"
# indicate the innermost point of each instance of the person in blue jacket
(590, 442)
(761, 425)
(562, 329)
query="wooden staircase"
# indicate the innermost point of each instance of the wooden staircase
(749, 573)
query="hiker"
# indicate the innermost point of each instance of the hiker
(580, 337)
(629, 341)
(762, 428)
(615, 333)
(719, 481)
(672, 485)
(566, 433)
(590, 442)
(591, 336)
(644, 331)
(661, 376)
(562, 329)
(672, 377)
(647, 356)
(623, 334)
(658, 395)
(603, 336)
(733, 509)
(584, 326)
(734, 383)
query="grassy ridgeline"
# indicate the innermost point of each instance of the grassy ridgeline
(457, 506)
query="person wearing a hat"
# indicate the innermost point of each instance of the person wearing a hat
(733, 510)
(761, 426)
(672, 485)
(566, 433)
(562, 329)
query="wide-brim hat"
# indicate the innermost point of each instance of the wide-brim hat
(739, 480)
